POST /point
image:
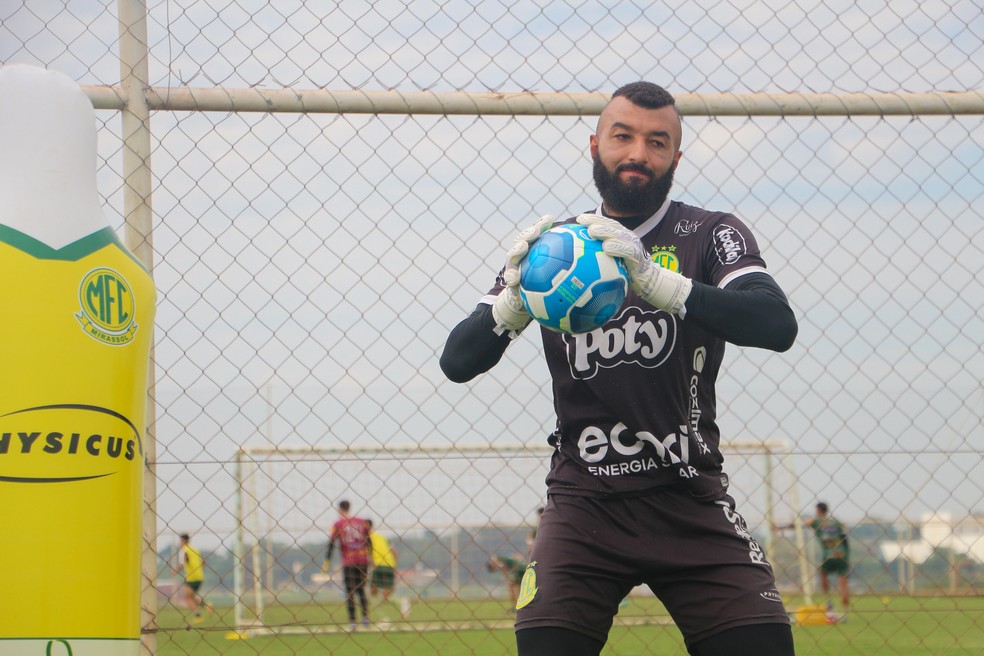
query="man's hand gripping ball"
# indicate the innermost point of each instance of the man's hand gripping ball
(508, 310)
(661, 288)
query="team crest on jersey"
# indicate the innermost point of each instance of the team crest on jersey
(665, 257)
(107, 307)
(527, 589)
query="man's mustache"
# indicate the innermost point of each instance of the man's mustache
(633, 166)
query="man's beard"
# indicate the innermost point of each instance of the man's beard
(631, 199)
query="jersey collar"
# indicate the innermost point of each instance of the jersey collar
(650, 223)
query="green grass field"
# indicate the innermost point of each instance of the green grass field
(877, 626)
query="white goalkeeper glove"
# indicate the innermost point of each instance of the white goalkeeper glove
(508, 310)
(661, 288)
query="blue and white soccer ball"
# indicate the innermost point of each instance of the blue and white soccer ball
(568, 283)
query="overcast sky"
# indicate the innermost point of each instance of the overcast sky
(314, 264)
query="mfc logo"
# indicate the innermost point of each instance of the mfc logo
(107, 308)
(636, 336)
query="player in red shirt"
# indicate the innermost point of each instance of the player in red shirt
(352, 536)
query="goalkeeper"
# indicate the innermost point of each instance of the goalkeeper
(636, 488)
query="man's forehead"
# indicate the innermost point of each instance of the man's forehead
(626, 113)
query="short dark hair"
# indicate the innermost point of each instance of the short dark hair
(344, 505)
(646, 94)
(185, 537)
(369, 523)
(822, 507)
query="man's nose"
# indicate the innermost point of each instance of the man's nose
(637, 151)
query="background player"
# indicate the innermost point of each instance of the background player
(384, 560)
(512, 570)
(835, 556)
(352, 536)
(191, 563)
(636, 491)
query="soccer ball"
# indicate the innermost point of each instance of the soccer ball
(568, 283)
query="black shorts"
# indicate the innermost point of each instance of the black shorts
(696, 556)
(383, 577)
(194, 585)
(355, 576)
(838, 566)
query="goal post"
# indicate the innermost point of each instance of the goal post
(287, 496)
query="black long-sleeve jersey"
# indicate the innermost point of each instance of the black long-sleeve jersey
(635, 399)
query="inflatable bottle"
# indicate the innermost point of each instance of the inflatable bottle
(76, 326)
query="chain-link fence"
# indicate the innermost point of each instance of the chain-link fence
(313, 251)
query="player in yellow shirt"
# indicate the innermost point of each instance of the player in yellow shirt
(191, 561)
(384, 561)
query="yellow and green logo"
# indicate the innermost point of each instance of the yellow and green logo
(666, 258)
(108, 309)
(527, 589)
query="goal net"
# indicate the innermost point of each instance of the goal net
(446, 510)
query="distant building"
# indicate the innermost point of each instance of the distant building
(940, 531)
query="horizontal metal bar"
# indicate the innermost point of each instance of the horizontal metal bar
(321, 101)
(267, 451)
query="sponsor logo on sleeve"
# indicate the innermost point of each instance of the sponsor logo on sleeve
(729, 244)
